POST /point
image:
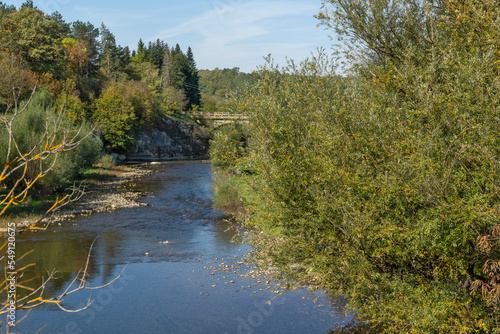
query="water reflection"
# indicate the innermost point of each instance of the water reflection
(165, 288)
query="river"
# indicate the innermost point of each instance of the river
(193, 284)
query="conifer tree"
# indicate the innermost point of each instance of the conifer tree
(178, 64)
(165, 68)
(109, 57)
(192, 80)
(149, 51)
(140, 56)
(89, 34)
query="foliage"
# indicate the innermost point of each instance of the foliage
(142, 101)
(106, 161)
(227, 194)
(227, 146)
(16, 81)
(180, 76)
(33, 36)
(30, 129)
(222, 82)
(78, 62)
(384, 184)
(115, 117)
(69, 102)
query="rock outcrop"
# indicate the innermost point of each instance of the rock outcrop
(170, 140)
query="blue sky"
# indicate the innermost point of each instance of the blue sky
(222, 33)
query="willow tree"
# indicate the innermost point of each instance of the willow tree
(383, 184)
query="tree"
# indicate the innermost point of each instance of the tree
(78, 56)
(115, 117)
(16, 81)
(165, 70)
(125, 56)
(33, 36)
(140, 56)
(28, 4)
(65, 27)
(86, 32)
(4, 9)
(142, 100)
(109, 58)
(179, 73)
(36, 145)
(192, 80)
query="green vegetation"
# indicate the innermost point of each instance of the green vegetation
(85, 84)
(383, 184)
(222, 82)
(216, 85)
(78, 63)
(228, 146)
(30, 128)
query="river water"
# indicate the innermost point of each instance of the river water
(193, 284)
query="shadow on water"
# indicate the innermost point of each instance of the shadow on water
(190, 285)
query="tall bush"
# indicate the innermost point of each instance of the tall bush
(30, 130)
(384, 183)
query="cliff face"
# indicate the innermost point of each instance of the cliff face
(170, 140)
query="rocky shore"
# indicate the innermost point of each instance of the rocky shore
(107, 195)
(104, 193)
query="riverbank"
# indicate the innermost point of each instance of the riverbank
(195, 282)
(104, 191)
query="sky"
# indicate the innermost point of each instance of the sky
(221, 33)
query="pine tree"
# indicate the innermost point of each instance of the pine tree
(157, 54)
(178, 48)
(66, 27)
(179, 72)
(178, 65)
(140, 56)
(165, 68)
(124, 56)
(109, 57)
(149, 52)
(192, 80)
(88, 33)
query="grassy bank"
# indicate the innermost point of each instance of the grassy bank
(101, 182)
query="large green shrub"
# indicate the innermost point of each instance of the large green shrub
(227, 146)
(384, 184)
(33, 128)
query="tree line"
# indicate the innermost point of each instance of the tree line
(217, 84)
(381, 184)
(77, 73)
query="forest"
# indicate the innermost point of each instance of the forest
(74, 74)
(380, 184)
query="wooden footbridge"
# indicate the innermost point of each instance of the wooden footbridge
(221, 118)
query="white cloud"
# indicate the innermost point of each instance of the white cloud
(238, 31)
(240, 23)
